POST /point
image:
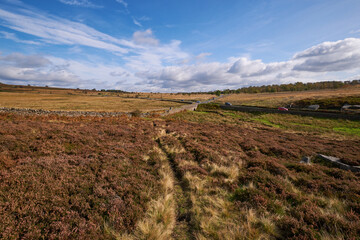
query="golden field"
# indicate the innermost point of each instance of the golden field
(65, 102)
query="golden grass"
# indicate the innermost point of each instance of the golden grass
(173, 96)
(160, 218)
(85, 92)
(66, 102)
(283, 98)
(231, 173)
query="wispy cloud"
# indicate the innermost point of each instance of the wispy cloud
(12, 36)
(144, 18)
(123, 3)
(355, 31)
(81, 3)
(136, 22)
(142, 51)
(56, 30)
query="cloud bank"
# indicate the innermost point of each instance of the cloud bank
(308, 65)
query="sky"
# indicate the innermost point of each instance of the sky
(177, 46)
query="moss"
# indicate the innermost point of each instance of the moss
(351, 131)
(267, 122)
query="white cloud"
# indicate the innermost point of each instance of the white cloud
(145, 38)
(58, 72)
(50, 77)
(81, 3)
(156, 57)
(120, 74)
(202, 55)
(16, 68)
(250, 68)
(23, 61)
(314, 64)
(330, 56)
(35, 69)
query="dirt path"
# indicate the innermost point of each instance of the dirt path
(184, 217)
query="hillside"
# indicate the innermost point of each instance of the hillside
(208, 174)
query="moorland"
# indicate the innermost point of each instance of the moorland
(204, 174)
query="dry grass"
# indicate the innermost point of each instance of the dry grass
(160, 217)
(66, 102)
(172, 96)
(230, 173)
(284, 98)
(64, 91)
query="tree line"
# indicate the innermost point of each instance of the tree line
(298, 86)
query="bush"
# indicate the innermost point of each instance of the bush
(136, 113)
(208, 106)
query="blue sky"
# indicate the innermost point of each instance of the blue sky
(172, 46)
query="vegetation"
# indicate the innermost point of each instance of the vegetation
(329, 103)
(4, 88)
(298, 86)
(286, 98)
(74, 178)
(249, 183)
(205, 174)
(69, 102)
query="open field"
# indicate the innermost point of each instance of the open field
(285, 98)
(66, 102)
(63, 91)
(172, 96)
(208, 174)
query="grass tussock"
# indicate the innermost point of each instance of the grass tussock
(160, 218)
(262, 191)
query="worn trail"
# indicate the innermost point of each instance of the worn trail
(184, 217)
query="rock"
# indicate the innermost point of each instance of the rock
(306, 160)
(336, 162)
(314, 107)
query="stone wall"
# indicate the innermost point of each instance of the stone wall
(190, 107)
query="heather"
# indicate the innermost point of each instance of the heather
(209, 174)
(68, 178)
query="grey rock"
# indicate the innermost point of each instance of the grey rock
(306, 160)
